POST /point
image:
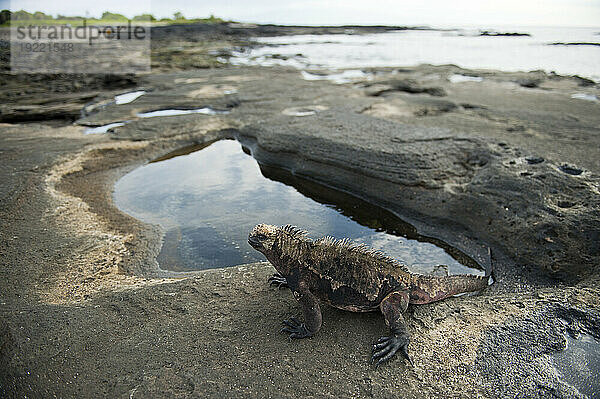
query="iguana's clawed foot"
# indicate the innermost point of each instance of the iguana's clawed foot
(386, 347)
(278, 280)
(295, 328)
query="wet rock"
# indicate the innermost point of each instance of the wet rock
(473, 106)
(534, 160)
(574, 44)
(584, 82)
(21, 85)
(516, 128)
(149, 128)
(55, 107)
(478, 158)
(436, 108)
(408, 86)
(570, 170)
(45, 97)
(279, 57)
(530, 82)
(517, 358)
(509, 34)
(565, 204)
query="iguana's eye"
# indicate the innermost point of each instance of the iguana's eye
(261, 237)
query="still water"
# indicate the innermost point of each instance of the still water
(208, 197)
(579, 363)
(462, 47)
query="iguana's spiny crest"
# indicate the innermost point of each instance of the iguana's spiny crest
(290, 238)
(341, 262)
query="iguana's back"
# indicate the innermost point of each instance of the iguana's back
(353, 276)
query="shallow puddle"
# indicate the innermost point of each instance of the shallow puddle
(126, 98)
(457, 78)
(103, 128)
(208, 197)
(579, 364)
(338, 78)
(304, 111)
(174, 112)
(584, 96)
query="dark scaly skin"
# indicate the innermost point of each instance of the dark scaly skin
(350, 277)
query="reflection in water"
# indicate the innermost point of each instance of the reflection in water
(209, 200)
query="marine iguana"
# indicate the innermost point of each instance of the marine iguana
(351, 277)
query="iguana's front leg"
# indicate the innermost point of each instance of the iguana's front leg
(392, 308)
(312, 315)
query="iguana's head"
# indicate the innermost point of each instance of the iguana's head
(262, 237)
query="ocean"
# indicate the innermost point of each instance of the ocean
(464, 47)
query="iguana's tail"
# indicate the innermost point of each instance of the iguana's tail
(427, 289)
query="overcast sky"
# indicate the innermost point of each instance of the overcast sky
(320, 12)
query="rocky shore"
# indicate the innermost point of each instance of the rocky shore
(509, 161)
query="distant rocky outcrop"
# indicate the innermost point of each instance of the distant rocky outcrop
(493, 33)
(574, 44)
